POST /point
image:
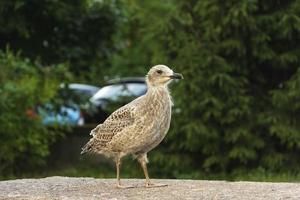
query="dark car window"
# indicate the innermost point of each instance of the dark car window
(86, 93)
(113, 92)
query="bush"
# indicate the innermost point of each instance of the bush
(24, 140)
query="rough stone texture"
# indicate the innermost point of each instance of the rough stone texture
(90, 188)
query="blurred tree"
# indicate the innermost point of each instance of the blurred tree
(24, 140)
(139, 41)
(237, 108)
(77, 31)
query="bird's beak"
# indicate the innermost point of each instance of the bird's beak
(176, 76)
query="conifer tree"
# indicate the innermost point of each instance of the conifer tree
(238, 107)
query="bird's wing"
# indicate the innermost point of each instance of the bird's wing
(115, 123)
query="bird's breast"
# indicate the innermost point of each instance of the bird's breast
(157, 105)
(155, 117)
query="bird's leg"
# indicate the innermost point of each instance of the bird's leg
(118, 166)
(144, 166)
(143, 161)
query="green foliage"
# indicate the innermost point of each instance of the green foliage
(24, 140)
(78, 31)
(237, 108)
(131, 168)
(138, 41)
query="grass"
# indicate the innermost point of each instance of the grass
(130, 170)
(103, 168)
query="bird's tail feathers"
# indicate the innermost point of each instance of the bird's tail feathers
(86, 148)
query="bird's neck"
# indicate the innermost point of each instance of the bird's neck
(160, 93)
(157, 89)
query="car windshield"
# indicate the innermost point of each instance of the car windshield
(113, 92)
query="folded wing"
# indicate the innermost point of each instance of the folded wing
(113, 125)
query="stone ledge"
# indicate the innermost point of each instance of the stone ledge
(90, 188)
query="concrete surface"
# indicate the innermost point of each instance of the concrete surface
(90, 188)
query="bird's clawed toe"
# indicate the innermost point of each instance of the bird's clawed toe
(152, 185)
(125, 186)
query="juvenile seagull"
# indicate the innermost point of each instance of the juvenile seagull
(139, 126)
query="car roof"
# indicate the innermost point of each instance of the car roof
(81, 86)
(126, 80)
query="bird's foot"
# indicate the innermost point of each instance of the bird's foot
(152, 185)
(119, 186)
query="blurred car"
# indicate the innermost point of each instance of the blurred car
(83, 90)
(115, 94)
(66, 115)
(67, 108)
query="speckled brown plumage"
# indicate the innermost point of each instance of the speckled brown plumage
(139, 126)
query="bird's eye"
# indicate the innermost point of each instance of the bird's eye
(159, 71)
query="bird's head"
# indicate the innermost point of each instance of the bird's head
(161, 75)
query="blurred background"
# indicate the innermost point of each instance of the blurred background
(65, 65)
